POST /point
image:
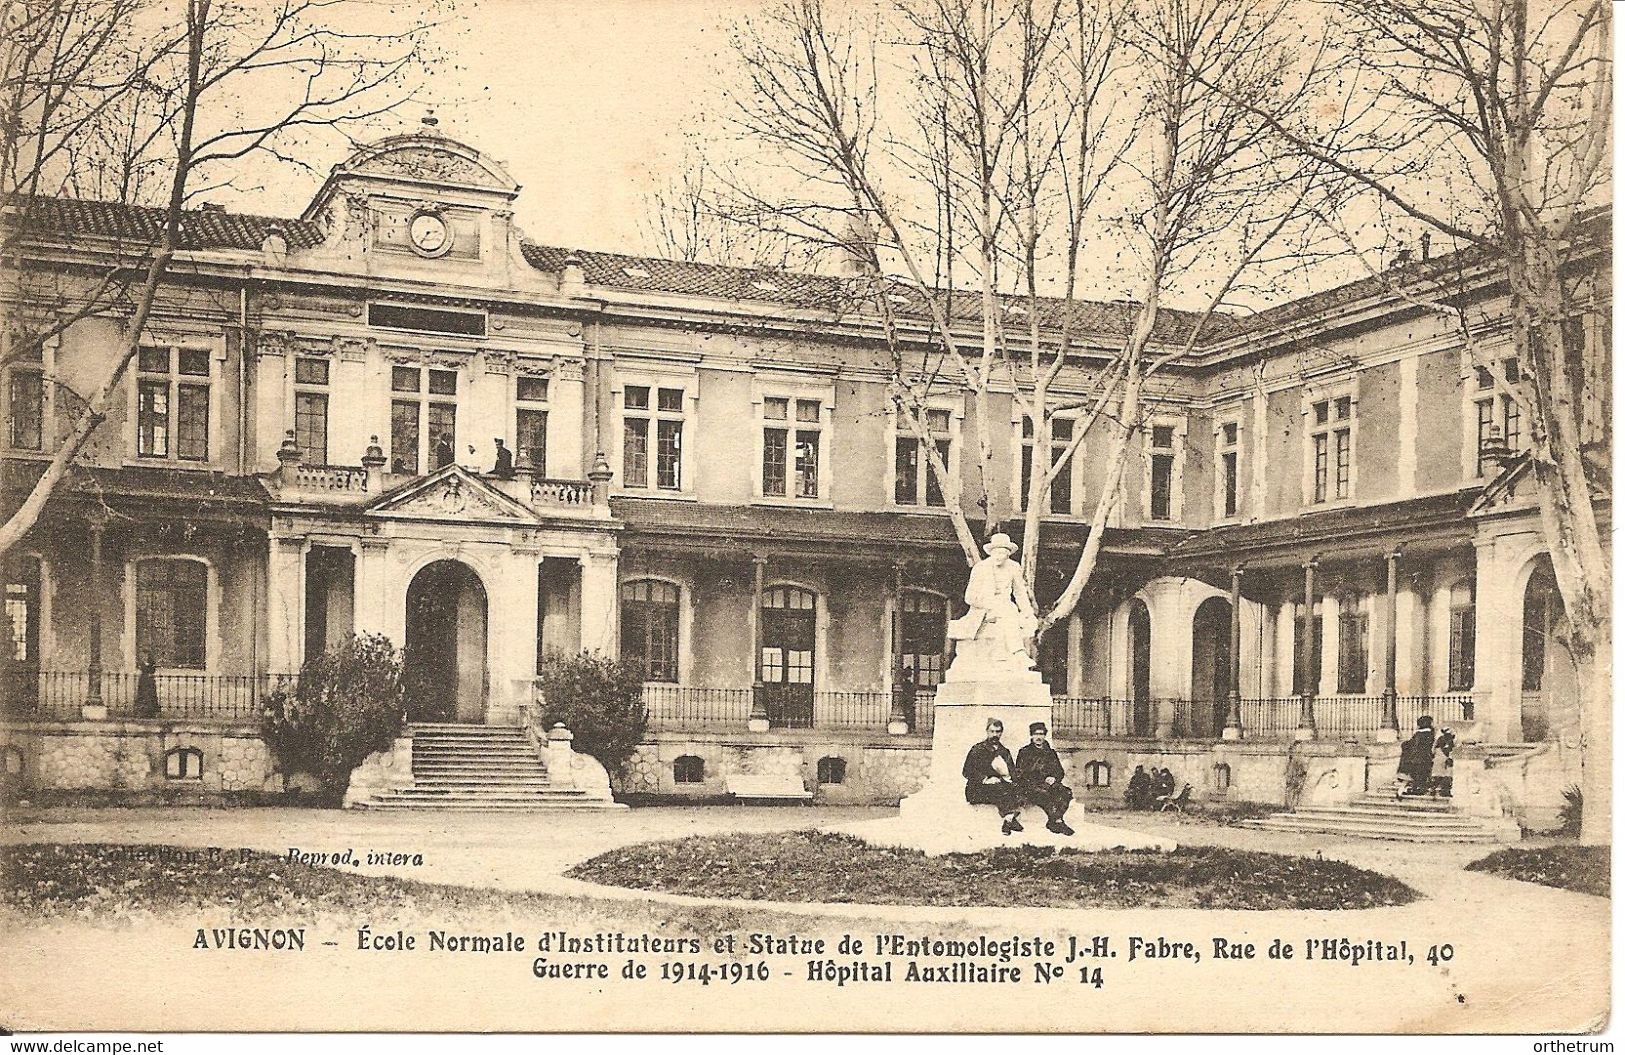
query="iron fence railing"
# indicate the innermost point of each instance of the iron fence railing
(61, 695)
(1270, 718)
(1092, 716)
(851, 710)
(691, 707)
(1451, 709)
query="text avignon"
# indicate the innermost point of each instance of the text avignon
(278, 939)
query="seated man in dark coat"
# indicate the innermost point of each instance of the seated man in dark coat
(990, 777)
(1416, 758)
(1138, 795)
(1039, 774)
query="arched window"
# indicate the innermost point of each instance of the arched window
(183, 763)
(171, 613)
(649, 628)
(1463, 635)
(831, 770)
(1540, 603)
(1097, 774)
(924, 630)
(688, 769)
(1221, 777)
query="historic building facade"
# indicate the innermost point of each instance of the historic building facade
(1327, 531)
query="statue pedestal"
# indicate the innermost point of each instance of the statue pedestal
(984, 684)
(963, 709)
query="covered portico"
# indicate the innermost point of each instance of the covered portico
(1347, 623)
(478, 577)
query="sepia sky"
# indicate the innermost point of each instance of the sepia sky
(584, 101)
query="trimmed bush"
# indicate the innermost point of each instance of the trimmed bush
(349, 703)
(598, 699)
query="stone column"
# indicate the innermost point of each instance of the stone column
(1497, 671)
(372, 588)
(599, 622)
(1306, 649)
(1389, 729)
(285, 597)
(758, 690)
(1232, 717)
(566, 407)
(94, 707)
(901, 690)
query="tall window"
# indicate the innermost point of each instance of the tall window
(652, 424)
(916, 482)
(416, 397)
(23, 608)
(790, 448)
(924, 631)
(1306, 669)
(1332, 439)
(1162, 472)
(530, 424)
(649, 628)
(171, 610)
(310, 380)
(1060, 492)
(25, 397)
(1463, 635)
(1353, 656)
(1229, 462)
(1497, 409)
(172, 403)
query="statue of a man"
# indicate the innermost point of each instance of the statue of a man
(999, 608)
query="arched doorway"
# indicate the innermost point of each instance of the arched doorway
(1210, 666)
(446, 644)
(1551, 692)
(1139, 668)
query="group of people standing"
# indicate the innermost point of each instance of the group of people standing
(1425, 760)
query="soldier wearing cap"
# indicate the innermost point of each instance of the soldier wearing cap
(1039, 775)
(503, 470)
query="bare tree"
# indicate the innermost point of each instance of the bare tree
(685, 219)
(1489, 125)
(984, 163)
(111, 96)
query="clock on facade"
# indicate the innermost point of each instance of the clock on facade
(429, 233)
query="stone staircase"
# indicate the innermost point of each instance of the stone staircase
(1424, 819)
(478, 768)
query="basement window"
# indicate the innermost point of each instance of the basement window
(183, 763)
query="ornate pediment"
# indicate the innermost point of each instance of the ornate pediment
(452, 493)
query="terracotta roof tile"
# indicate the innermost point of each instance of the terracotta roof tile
(140, 225)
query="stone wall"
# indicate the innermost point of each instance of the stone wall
(137, 755)
(882, 769)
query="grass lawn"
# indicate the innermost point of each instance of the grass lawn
(108, 883)
(1583, 869)
(821, 866)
